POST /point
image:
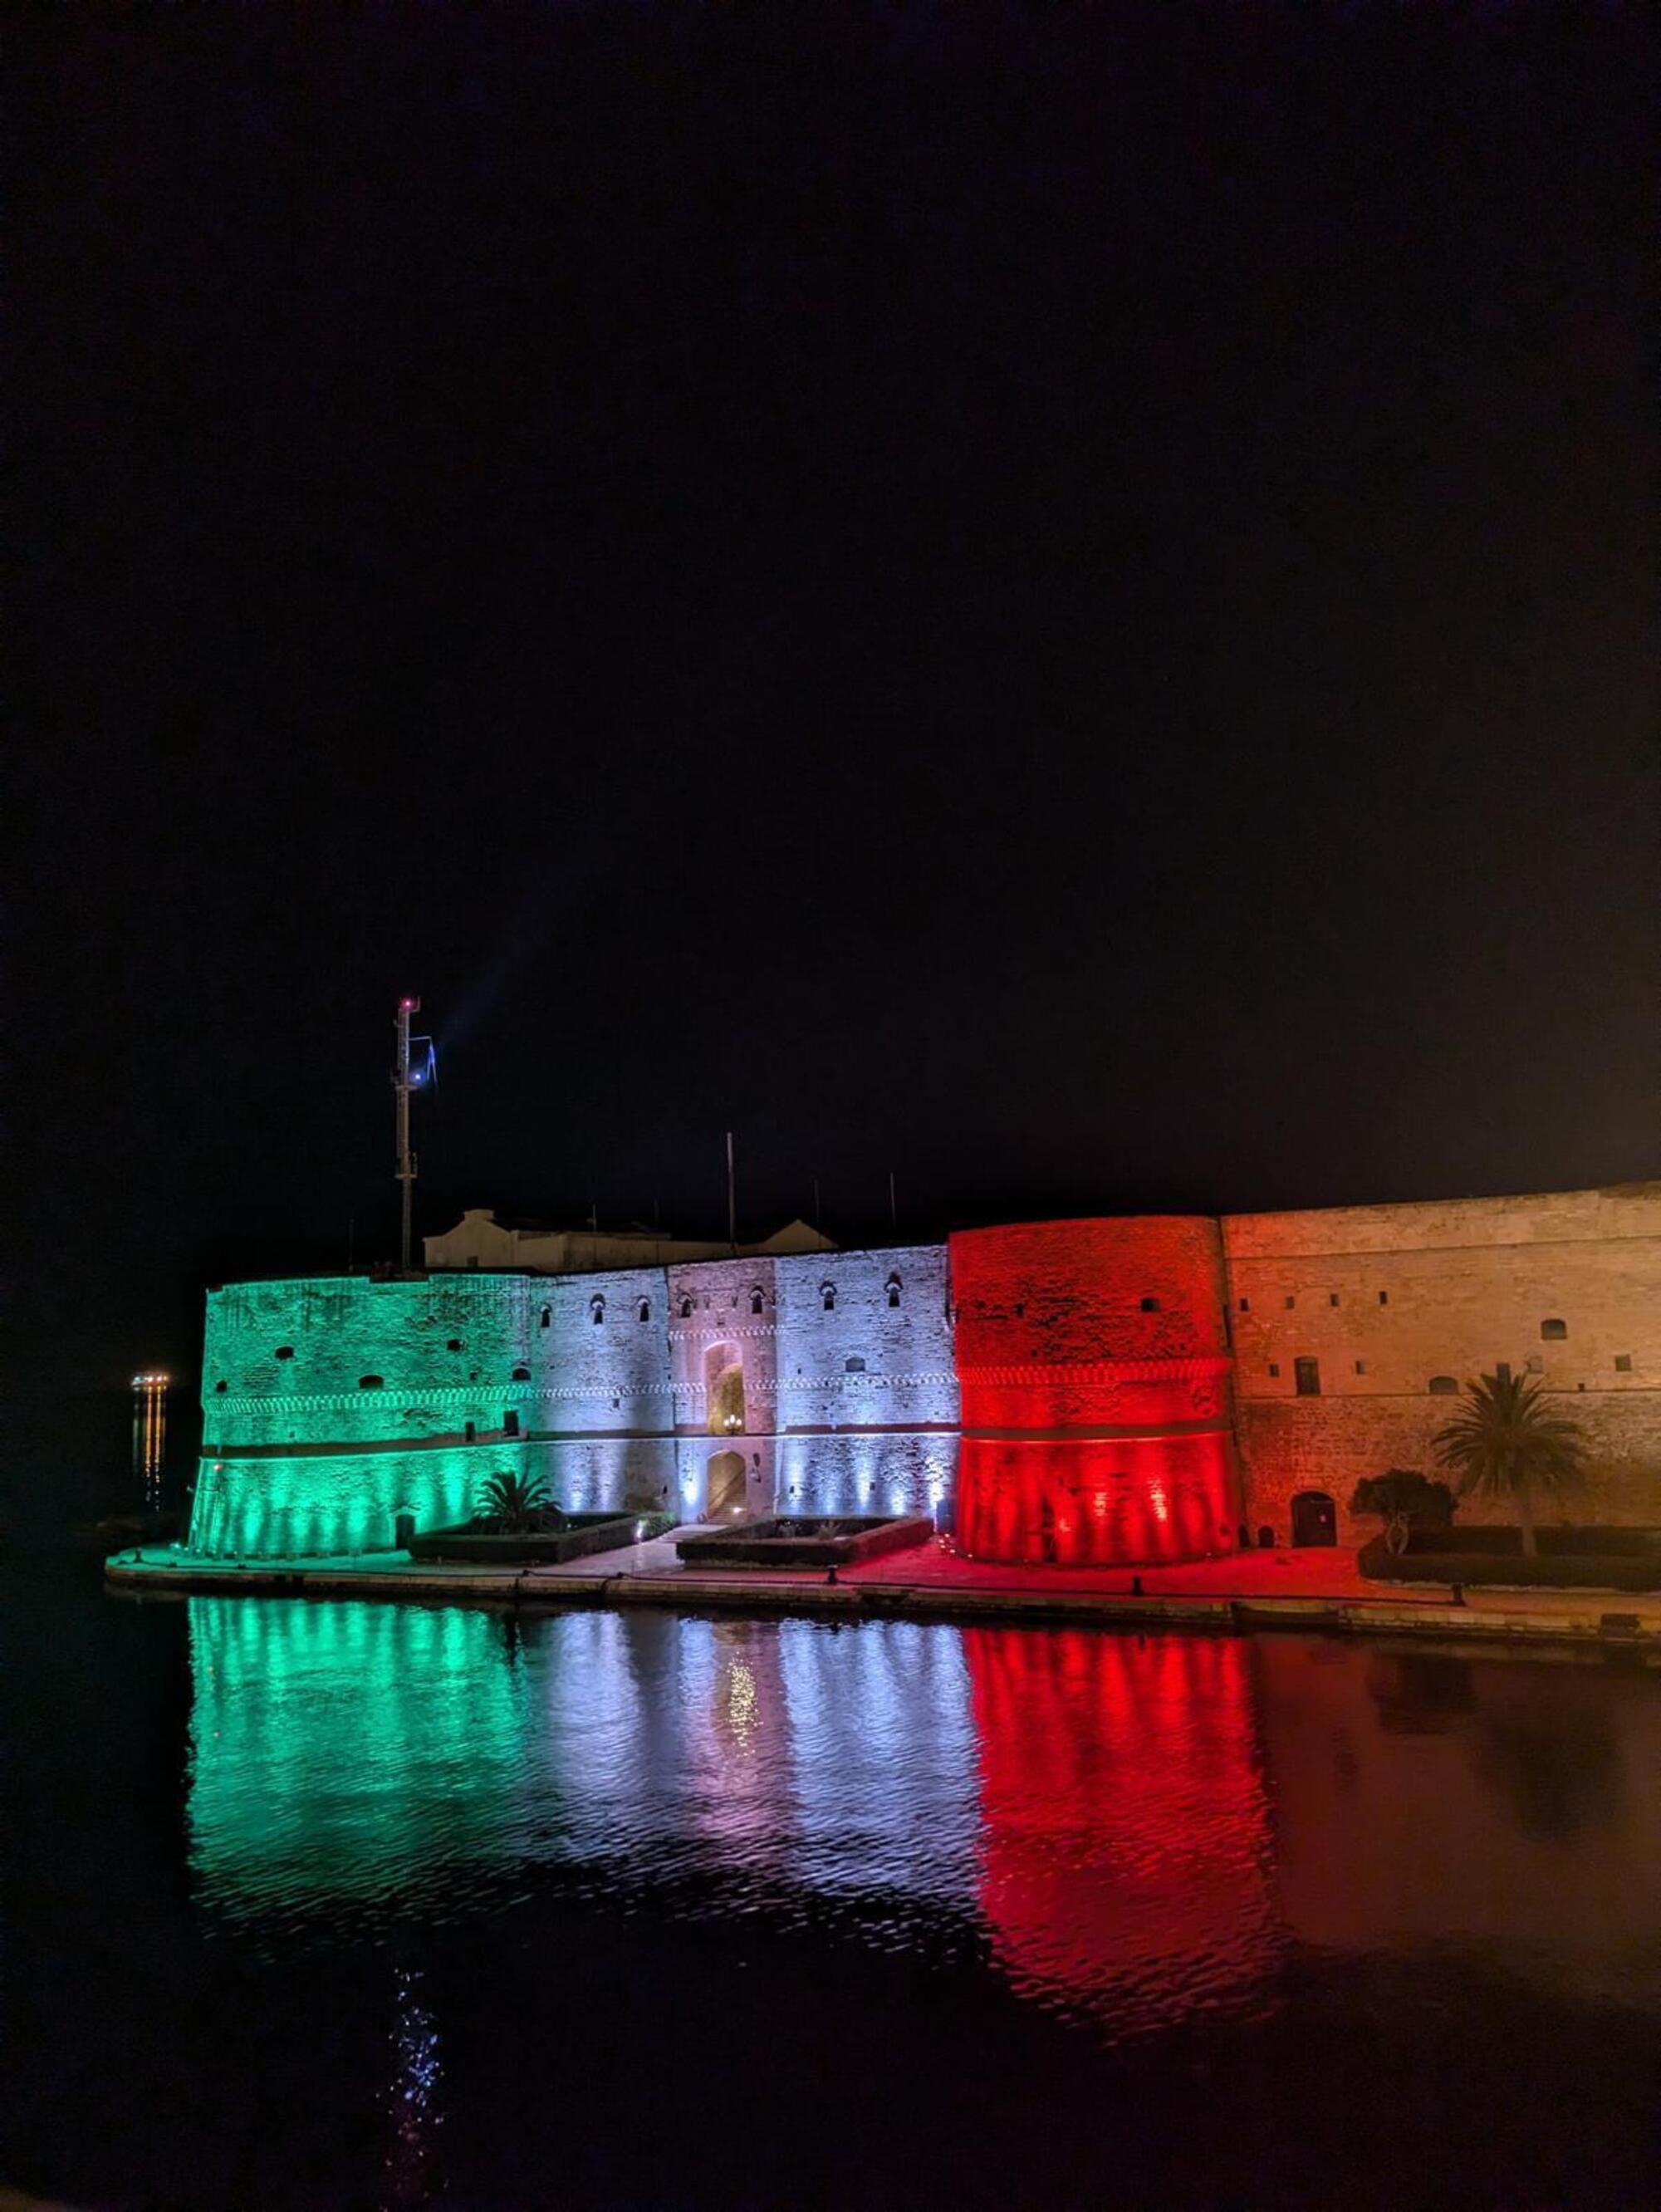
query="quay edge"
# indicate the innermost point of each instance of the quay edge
(1604, 1621)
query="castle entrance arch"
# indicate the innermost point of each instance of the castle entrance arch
(724, 1485)
(724, 1390)
(1314, 1517)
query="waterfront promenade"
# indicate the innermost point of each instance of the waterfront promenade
(1318, 1589)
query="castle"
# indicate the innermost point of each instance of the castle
(1147, 1388)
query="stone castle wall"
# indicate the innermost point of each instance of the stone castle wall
(1387, 1301)
(332, 1405)
(1095, 1363)
(340, 1359)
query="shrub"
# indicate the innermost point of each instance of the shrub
(1404, 1500)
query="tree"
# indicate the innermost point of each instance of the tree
(515, 1503)
(1504, 1443)
(1403, 1498)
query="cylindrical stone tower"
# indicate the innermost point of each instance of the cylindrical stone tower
(1093, 1362)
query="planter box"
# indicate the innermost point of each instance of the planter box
(1569, 1558)
(583, 1534)
(808, 1541)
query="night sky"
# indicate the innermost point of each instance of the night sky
(1054, 598)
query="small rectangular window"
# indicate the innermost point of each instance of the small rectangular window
(1246, 1305)
(1383, 1298)
(1332, 1297)
(1361, 1367)
(1273, 1367)
(1554, 1332)
(1623, 1362)
(1290, 1301)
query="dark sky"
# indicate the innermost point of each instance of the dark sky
(1054, 598)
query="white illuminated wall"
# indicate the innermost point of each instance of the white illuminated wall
(332, 1405)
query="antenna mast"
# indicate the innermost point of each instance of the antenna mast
(414, 1068)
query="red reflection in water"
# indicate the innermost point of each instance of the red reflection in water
(1126, 1852)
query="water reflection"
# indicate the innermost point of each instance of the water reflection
(1134, 1832)
(1127, 1856)
(393, 1764)
(412, 2097)
(1505, 1806)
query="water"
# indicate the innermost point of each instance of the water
(318, 1904)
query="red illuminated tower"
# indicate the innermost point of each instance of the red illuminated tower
(1093, 1362)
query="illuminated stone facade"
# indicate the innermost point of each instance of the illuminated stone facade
(823, 1382)
(1356, 1327)
(1116, 1391)
(1095, 1370)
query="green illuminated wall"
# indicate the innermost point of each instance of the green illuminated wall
(332, 1404)
(286, 1362)
(326, 1503)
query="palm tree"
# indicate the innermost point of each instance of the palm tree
(1505, 1444)
(514, 1502)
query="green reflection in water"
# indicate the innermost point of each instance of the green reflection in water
(324, 1736)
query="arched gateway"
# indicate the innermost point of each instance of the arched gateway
(724, 1485)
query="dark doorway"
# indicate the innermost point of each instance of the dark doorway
(1314, 1518)
(1309, 1379)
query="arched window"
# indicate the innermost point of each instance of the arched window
(643, 1310)
(854, 1366)
(369, 1382)
(1554, 1332)
(547, 1321)
(521, 1374)
(285, 1352)
(892, 1287)
(686, 1309)
(756, 1299)
(828, 1297)
(597, 1309)
(1443, 1386)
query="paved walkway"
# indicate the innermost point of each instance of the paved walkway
(1282, 1589)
